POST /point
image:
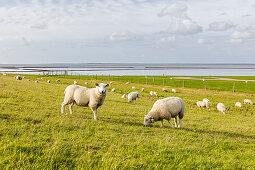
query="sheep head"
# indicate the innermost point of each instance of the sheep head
(147, 120)
(101, 87)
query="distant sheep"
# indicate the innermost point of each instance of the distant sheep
(57, 80)
(165, 90)
(174, 90)
(113, 89)
(166, 108)
(153, 93)
(238, 104)
(28, 80)
(42, 78)
(86, 83)
(36, 81)
(127, 83)
(111, 83)
(204, 103)
(124, 96)
(75, 83)
(48, 81)
(248, 101)
(18, 78)
(221, 108)
(24, 77)
(133, 87)
(133, 96)
(4, 74)
(83, 96)
(142, 90)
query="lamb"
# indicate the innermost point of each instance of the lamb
(133, 87)
(133, 96)
(166, 108)
(142, 90)
(57, 80)
(75, 82)
(204, 103)
(174, 90)
(48, 81)
(83, 96)
(165, 90)
(113, 90)
(124, 96)
(238, 104)
(248, 101)
(18, 78)
(221, 108)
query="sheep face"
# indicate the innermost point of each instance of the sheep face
(148, 120)
(101, 87)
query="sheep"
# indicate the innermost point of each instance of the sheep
(142, 90)
(111, 83)
(124, 96)
(18, 78)
(57, 80)
(221, 108)
(36, 81)
(24, 77)
(133, 96)
(133, 87)
(48, 81)
(42, 78)
(204, 103)
(28, 80)
(83, 96)
(166, 109)
(248, 101)
(127, 83)
(165, 90)
(86, 83)
(4, 74)
(113, 90)
(174, 90)
(238, 104)
(75, 82)
(153, 93)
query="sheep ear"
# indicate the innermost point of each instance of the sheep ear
(96, 84)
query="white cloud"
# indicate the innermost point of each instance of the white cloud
(25, 42)
(167, 39)
(220, 26)
(122, 36)
(204, 41)
(239, 37)
(42, 26)
(180, 22)
(252, 26)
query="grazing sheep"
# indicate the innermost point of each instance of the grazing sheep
(113, 90)
(166, 108)
(18, 78)
(42, 78)
(142, 90)
(24, 77)
(127, 83)
(4, 74)
(36, 81)
(111, 83)
(174, 90)
(133, 87)
(152, 93)
(124, 96)
(133, 96)
(207, 103)
(165, 90)
(48, 81)
(248, 101)
(83, 96)
(86, 83)
(57, 80)
(238, 104)
(221, 107)
(28, 80)
(75, 83)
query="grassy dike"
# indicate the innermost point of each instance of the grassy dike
(34, 134)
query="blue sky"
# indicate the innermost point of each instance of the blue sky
(144, 31)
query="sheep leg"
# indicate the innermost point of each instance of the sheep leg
(95, 113)
(71, 108)
(180, 121)
(175, 122)
(171, 123)
(161, 123)
(63, 108)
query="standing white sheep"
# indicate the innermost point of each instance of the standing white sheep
(86, 83)
(174, 90)
(133, 87)
(165, 90)
(133, 96)
(111, 83)
(238, 104)
(57, 80)
(124, 96)
(248, 101)
(166, 108)
(48, 81)
(221, 107)
(83, 96)
(4, 74)
(18, 78)
(142, 90)
(113, 89)
(152, 93)
(36, 81)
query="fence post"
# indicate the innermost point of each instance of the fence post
(131, 80)
(183, 84)
(102, 77)
(153, 79)
(246, 82)
(118, 78)
(163, 82)
(79, 77)
(109, 77)
(206, 85)
(234, 87)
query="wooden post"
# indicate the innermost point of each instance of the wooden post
(163, 82)
(131, 80)
(206, 85)
(79, 77)
(153, 79)
(183, 84)
(234, 87)
(96, 76)
(102, 77)
(118, 78)
(246, 82)
(109, 77)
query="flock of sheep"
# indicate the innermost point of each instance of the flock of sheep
(167, 108)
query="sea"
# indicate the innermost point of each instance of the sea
(174, 69)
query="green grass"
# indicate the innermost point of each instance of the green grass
(34, 134)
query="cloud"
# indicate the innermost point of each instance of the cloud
(25, 42)
(180, 22)
(122, 36)
(42, 26)
(252, 26)
(204, 41)
(220, 26)
(167, 39)
(239, 37)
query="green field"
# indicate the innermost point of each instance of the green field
(34, 134)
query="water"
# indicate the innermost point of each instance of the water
(133, 69)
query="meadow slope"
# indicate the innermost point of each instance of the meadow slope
(34, 134)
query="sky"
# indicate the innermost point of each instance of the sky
(128, 31)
